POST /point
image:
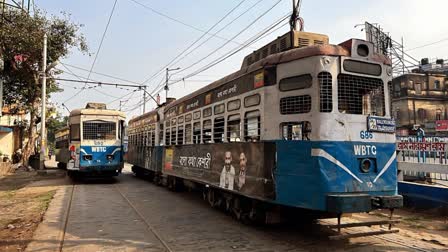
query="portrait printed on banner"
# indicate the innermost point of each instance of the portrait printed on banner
(227, 178)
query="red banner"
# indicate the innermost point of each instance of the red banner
(442, 125)
(421, 146)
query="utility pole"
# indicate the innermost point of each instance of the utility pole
(166, 81)
(44, 110)
(294, 16)
(144, 99)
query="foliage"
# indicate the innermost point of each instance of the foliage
(54, 124)
(22, 37)
(21, 46)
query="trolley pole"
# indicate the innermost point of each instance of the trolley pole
(44, 110)
(166, 80)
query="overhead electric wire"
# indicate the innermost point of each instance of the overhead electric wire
(98, 50)
(196, 41)
(228, 24)
(252, 40)
(236, 35)
(179, 21)
(98, 73)
(260, 35)
(429, 44)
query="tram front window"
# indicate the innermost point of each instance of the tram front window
(360, 95)
(99, 130)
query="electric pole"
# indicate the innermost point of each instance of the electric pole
(167, 78)
(144, 99)
(44, 110)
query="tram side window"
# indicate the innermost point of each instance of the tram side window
(296, 82)
(234, 128)
(75, 134)
(161, 134)
(207, 131)
(180, 135)
(188, 133)
(218, 127)
(296, 130)
(167, 136)
(173, 136)
(153, 136)
(197, 133)
(252, 126)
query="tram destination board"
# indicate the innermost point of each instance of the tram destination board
(380, 124)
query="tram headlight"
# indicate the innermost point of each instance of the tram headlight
(110, 157)
(87, 157)
(365, 165)
(389, 70)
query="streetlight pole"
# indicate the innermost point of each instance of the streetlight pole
(44, 110)
(166, 82)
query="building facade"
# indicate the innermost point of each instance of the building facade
(12, 126)
(420, 100)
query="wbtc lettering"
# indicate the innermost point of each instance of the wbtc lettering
(98, 149)
(363, 150)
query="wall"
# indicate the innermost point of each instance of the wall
(6, 143)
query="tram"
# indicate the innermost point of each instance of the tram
(92, 144)
(303, 124)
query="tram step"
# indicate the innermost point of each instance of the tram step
(363, 224)
(354, 235)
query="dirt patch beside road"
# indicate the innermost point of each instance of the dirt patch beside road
(24, 198)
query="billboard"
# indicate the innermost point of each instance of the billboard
(242, 167)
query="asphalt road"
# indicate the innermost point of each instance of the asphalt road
(131, 214)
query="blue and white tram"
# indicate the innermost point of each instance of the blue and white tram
(302, 124)
(96, 141)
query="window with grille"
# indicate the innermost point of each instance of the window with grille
(188, 134)
(99, 130)
(252, 126)
(218, 128)
(180, 119)
(188, 118)
(207, 131)
(438, 114)
(75, 134)
(180, 135)
(197, 133)
(295, 104)
(360, 95)
(325, 88)
(234, 128)
(296, 82)
(167, 136)
(173, 136)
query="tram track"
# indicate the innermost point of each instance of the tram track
(148, 225)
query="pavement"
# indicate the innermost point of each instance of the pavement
(131, 214)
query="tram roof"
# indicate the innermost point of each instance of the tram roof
(149, 114)
(275, 59)
(106, 112)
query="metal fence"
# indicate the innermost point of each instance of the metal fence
(425, 160)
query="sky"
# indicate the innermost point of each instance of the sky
(139, 42)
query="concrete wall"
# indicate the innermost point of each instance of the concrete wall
(7, 143)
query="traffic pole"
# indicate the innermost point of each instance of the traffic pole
(43, 132)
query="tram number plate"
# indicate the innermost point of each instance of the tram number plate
(365, 134)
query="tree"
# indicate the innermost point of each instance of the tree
(21, 43)
(53, 125)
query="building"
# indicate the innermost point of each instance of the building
(11, 131)
(420, 100)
